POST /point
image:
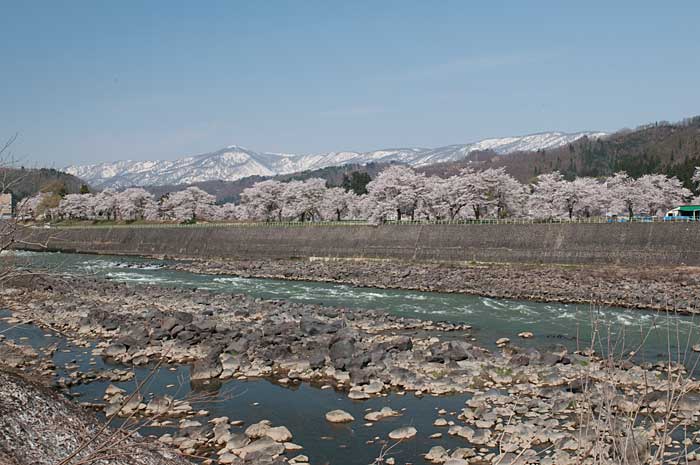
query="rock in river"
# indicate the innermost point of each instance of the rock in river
(437, 454)
(279, 434)
(261, 448)
(406, 432)
(339, 416)
(205, 369)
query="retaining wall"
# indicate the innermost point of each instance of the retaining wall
(625, 244)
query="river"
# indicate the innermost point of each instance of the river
(301, 407)
(551, 323)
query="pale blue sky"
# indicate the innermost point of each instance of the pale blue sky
(91, 81)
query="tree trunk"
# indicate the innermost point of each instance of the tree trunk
(398, 214)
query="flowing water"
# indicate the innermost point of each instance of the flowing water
(301, 408)
(551, 323)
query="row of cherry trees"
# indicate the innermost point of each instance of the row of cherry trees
(128, 205)
(397, 193)
(493, 193)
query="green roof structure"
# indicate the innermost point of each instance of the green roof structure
(689, 208)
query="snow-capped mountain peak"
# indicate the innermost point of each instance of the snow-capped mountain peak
(236, 162)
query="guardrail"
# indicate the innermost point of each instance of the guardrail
(296, 224)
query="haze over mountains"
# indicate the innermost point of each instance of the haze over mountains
(234, 162)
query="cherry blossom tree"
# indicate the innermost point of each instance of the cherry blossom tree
(132, 204)
(228, 212)
(449, 198)
(263, 200)
(465, 190)
(651, 194)
(499, 194)
(589, 199)
(660, 193)
(396, 190)
(696, 176)
(363, 207)
(437, 199)
(104, 204)
(548, 197)
(303, 199)
(77, 207)
(554, 197)
(625, 196)
(188, 205)
(337, 203)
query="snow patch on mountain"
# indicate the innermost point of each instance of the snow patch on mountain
(235, 162)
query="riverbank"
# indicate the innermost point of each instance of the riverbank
(40, 427)
(673, 289)
(627, 244)
(541, 404)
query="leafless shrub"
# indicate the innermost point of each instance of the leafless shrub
(631, 418)
(108, 443)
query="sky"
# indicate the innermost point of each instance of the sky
(87, 82)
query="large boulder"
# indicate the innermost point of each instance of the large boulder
(312, 326)
(205, 369)
(339, 416)
(457, 350)
(437, 454)
(403, 433)
(265, 447)
(114, 350)
(398, 343)
(341, 353)
(317, 360)
(279, 434)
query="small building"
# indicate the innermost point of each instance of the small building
(685, 212)
(6, 206)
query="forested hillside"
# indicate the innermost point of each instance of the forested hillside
(671, 149)
(230, 191)
(27, 182)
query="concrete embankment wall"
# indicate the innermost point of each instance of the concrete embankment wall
(624, 244)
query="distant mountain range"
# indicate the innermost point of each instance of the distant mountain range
(234, 162)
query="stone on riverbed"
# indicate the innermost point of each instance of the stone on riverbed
(436, 454)
(279, 434)
(258, 430)
(237, 441)
(405, 432)
(205, 369)
(373, 388)
(339, 416)
(113, 390)
(453, 461)
(358, 394)
(261, 448)
(229, 459)
(114, 350)
(159, 405)
(385, 412)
